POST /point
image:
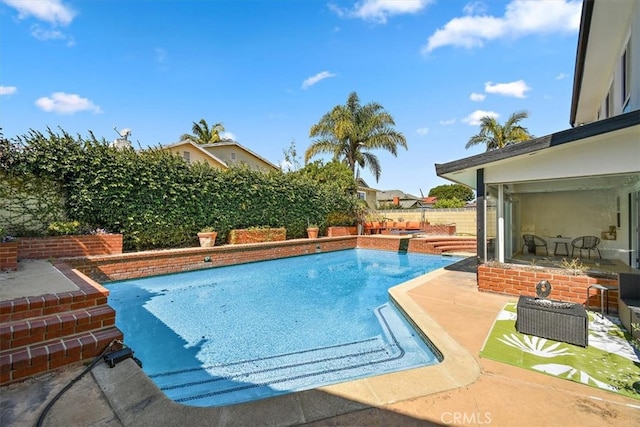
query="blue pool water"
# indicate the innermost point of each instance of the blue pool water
(233, 334)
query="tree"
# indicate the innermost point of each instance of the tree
(452, 191)
(448, 203)
(203, 134)
(333, 173)
(496, 136)
(350, 131)
(291, 160)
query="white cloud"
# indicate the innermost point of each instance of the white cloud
(228, 135)
(447, 122)
(286, 166)
(516, 89)
(477, 97)
(521, 17)
(44, 34)
(66, 103)
(561, 76)
(474, 119)
(8, 90)
(422, 131)
(315, 79)
(51, 11)
(379, 10)
(476, 7)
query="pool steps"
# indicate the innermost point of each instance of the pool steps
(46, 332)
(232, 383)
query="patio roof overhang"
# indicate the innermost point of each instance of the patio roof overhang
(602, 154)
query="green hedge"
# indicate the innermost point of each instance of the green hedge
(155, 199)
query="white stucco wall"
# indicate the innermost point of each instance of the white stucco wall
(575, 214)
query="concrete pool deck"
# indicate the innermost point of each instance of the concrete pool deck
(463, 390)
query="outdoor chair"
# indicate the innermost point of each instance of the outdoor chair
(588, 243)
(532, 243)
(629, 302)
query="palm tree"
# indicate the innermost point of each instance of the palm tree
(350, 131)
(202, 134)
(497, 136)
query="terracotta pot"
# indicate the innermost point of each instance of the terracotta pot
(208, 240)
(312, 232)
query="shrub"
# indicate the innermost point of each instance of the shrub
(63, 228)
(156, 200)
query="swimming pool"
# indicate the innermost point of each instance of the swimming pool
(233, 334)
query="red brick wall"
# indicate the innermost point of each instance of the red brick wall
(337, 231)
(9, 256)
(390, 243)
(69, 246)
(440, 230)
(148, 263)
(522, 281)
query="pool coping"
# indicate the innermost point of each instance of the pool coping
(138, 401)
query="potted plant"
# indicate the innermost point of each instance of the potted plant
(312, 231)
(207, 237)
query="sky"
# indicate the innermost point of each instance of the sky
(268, 70)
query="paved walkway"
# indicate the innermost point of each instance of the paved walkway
(502, 395)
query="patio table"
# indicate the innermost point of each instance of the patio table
(565, 241)
(555, 320)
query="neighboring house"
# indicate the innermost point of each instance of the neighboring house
(429, 201)
(220, 155)
(581, 181)
(367, 193)
(399, 198)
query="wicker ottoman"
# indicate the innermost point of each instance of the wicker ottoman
(555, 320)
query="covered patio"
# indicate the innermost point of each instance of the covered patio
(583, 181)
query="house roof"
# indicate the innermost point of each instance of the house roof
(430, 200)
(463, 171)
(604, 27)
(226, 143)
(362, 185)
(203, 148)
(199, 148)
(390, 194)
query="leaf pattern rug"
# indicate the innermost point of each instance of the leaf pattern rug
(610, 362)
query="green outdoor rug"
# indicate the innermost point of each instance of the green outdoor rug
(610, 362)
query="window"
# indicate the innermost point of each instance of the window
(362, 195)
(186, 156)
(610, 99)
(625, 68)
(233, 156)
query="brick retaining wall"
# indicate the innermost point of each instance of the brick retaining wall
(9, 256)
(148, 263)
(519, 280)
(69, 246)
(336, 231)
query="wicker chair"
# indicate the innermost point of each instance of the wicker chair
(532, 243)
(588, 243)
(629, 302)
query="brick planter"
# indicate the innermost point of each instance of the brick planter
(9, 256)
(257, 235)
(69, 246)
(338, 231)
(512, 279)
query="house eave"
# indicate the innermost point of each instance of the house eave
(463, 171)
(603, 31)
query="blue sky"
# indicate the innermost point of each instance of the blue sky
(269, 70)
